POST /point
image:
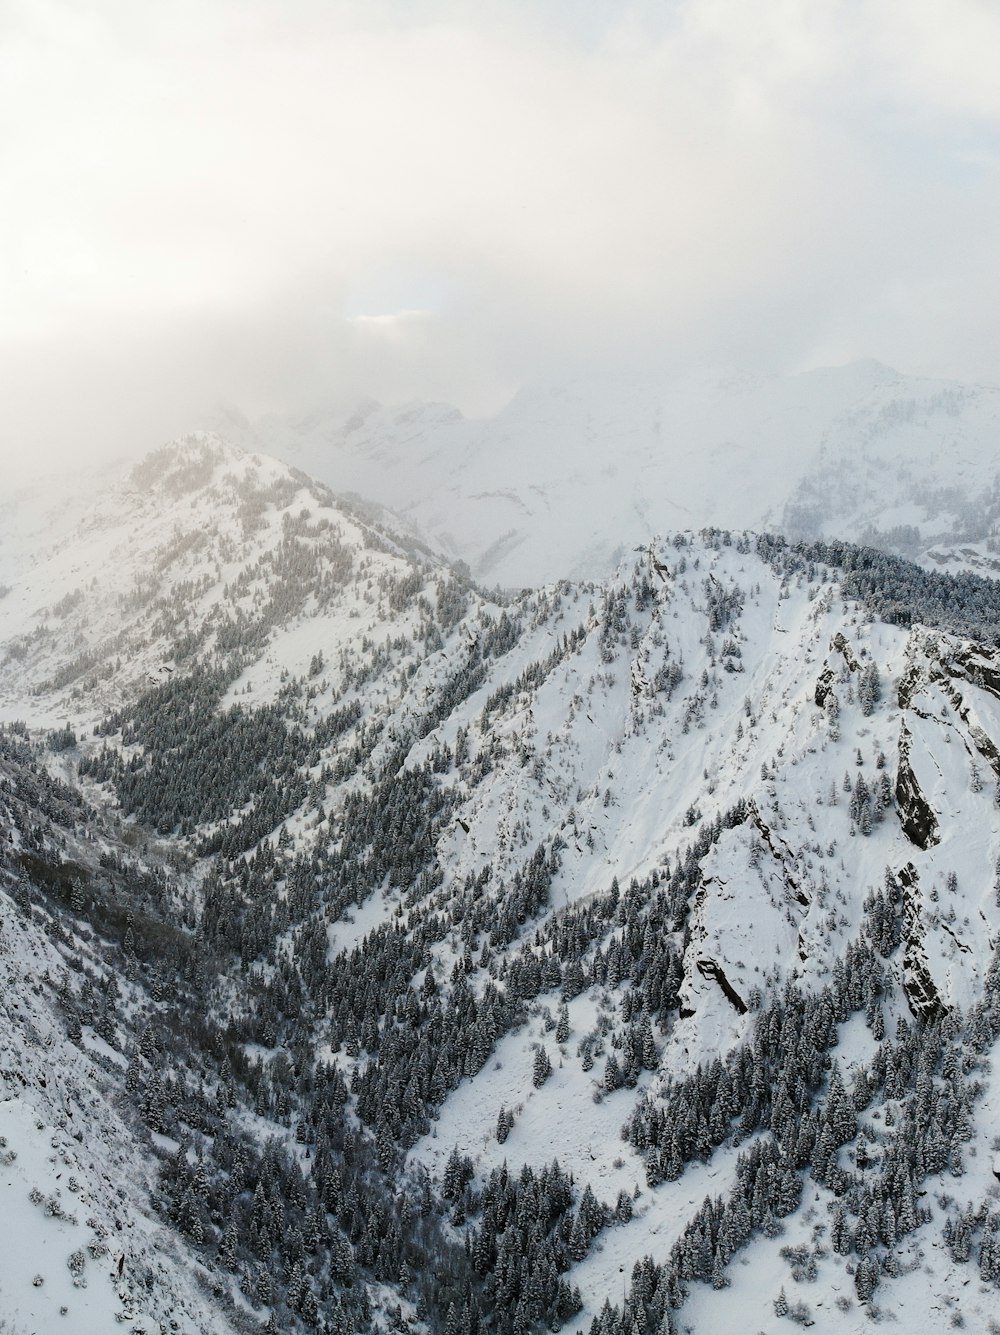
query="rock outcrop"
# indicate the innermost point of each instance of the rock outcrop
(779, 850)
(976, 666)
(916, 816)
(824, 685)
(921, 991)
(841, 645)
(712, 969)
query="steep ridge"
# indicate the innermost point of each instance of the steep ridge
(686, 878)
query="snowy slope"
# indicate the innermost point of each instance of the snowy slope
(80, 1241)
(82, 1248)
(100, 592)
(740, 780)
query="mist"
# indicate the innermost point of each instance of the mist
(282, 205)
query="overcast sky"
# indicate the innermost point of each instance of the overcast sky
(281, 202)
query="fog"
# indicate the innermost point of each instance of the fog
(279, 205)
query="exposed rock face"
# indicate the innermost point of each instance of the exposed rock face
(778, 850)
(917, 818)
(975, 666)
(978, 736)
(712, 969)
(842, 646)
(986, 748)
(910, 682)
(921, 991)
(824, 685)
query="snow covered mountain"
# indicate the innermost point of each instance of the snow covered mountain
(569, 477)
(345, 898)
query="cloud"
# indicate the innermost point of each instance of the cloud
(201, 192)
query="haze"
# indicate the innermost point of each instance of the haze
(283, 204)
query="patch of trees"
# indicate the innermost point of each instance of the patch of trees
(894, 589)
(525, 1237)
(200, 764)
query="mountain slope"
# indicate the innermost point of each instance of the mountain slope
(80, 1242)
(687, 878)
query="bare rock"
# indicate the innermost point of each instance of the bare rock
(712, 969)
(916, 816)
(921, 991)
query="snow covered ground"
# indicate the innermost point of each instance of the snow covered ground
(81, 1250)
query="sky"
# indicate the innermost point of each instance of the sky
(283, 203)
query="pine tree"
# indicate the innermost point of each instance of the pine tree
(542, 1067)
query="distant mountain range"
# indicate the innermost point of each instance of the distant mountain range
(569, 477)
